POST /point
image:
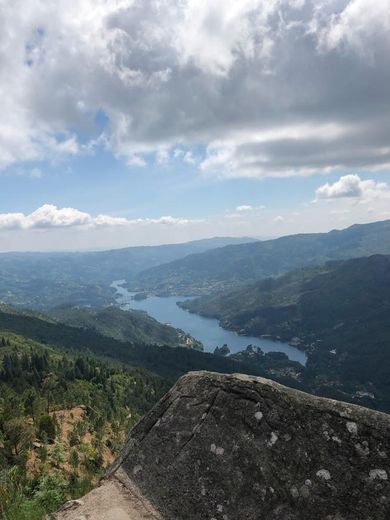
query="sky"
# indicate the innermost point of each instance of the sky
(132, 122)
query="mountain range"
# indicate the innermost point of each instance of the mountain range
(338, 313)
(44, 280)
(76, 372)
(229, 266)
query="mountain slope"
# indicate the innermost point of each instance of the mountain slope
(231, 265)
(340, 313)
(130, 325)
(168, 362)
(63, 418)
(239, 447)
(337, 296)
(44, 280)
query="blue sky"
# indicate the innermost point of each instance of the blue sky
(103, 184)
(129, 122)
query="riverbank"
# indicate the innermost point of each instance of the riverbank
(207, 330)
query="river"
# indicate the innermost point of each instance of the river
(206, 330)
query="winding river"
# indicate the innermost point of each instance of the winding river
(206, 330)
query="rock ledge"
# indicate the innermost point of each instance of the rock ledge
(232, 447)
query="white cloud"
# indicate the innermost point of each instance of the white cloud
(165, 221)
(276, 88)
(49, 216)
(186, 156)
(162, 156)
(244, 208)
(106, 220)
(178, 153)
(244, 212)
(135, 160)
(360, 26)
(352, 186)
(169, 221)
(189, 158)
(106, 232)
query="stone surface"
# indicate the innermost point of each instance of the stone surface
(232, 447)
(116, 499)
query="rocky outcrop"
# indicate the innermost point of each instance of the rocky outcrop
(229, 447)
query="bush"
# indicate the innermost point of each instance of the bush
(47, 428)
(50, 493)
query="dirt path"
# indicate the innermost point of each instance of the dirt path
(116, 499)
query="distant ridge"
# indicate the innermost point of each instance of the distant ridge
(44, 280)
(231, 265)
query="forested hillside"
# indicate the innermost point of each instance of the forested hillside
(338, 313)
(63, 418)
(130, 325)
(164, 360)
(69, 394)
(230, 266)
(44, 280)
(74, 380)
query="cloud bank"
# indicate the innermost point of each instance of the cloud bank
(276, 88)
(49, 216)
(353, 187)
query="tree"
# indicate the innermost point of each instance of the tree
(42, 454)
(49, 385)
(50, 493)
(29, 401)
(222, 351)
(74, 459)
(19, 434)
(58, 455)
(47, 428)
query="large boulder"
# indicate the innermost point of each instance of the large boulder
(232, 447)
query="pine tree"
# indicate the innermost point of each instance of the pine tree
(74, 459)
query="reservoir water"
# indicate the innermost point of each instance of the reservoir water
(206, 330)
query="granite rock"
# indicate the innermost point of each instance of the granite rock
(229, 447)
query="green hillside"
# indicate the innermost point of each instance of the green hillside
(44, 280)
(68, 395)
(229, 266)
(338, 313)
(130, 325)
(164, 360)
(63, 418)
(69, 391)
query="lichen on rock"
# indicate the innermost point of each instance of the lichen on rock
(219, 458)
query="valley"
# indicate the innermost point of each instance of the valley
(229, 266)
(195, 260)
(206, 329)
(67, 362)
(44, 280)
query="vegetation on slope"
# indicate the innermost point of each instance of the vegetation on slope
(130, 325)
(229, 266)
(63, 418)
(166, 361)
(338, 313)
(65, 401)
(44, 280)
